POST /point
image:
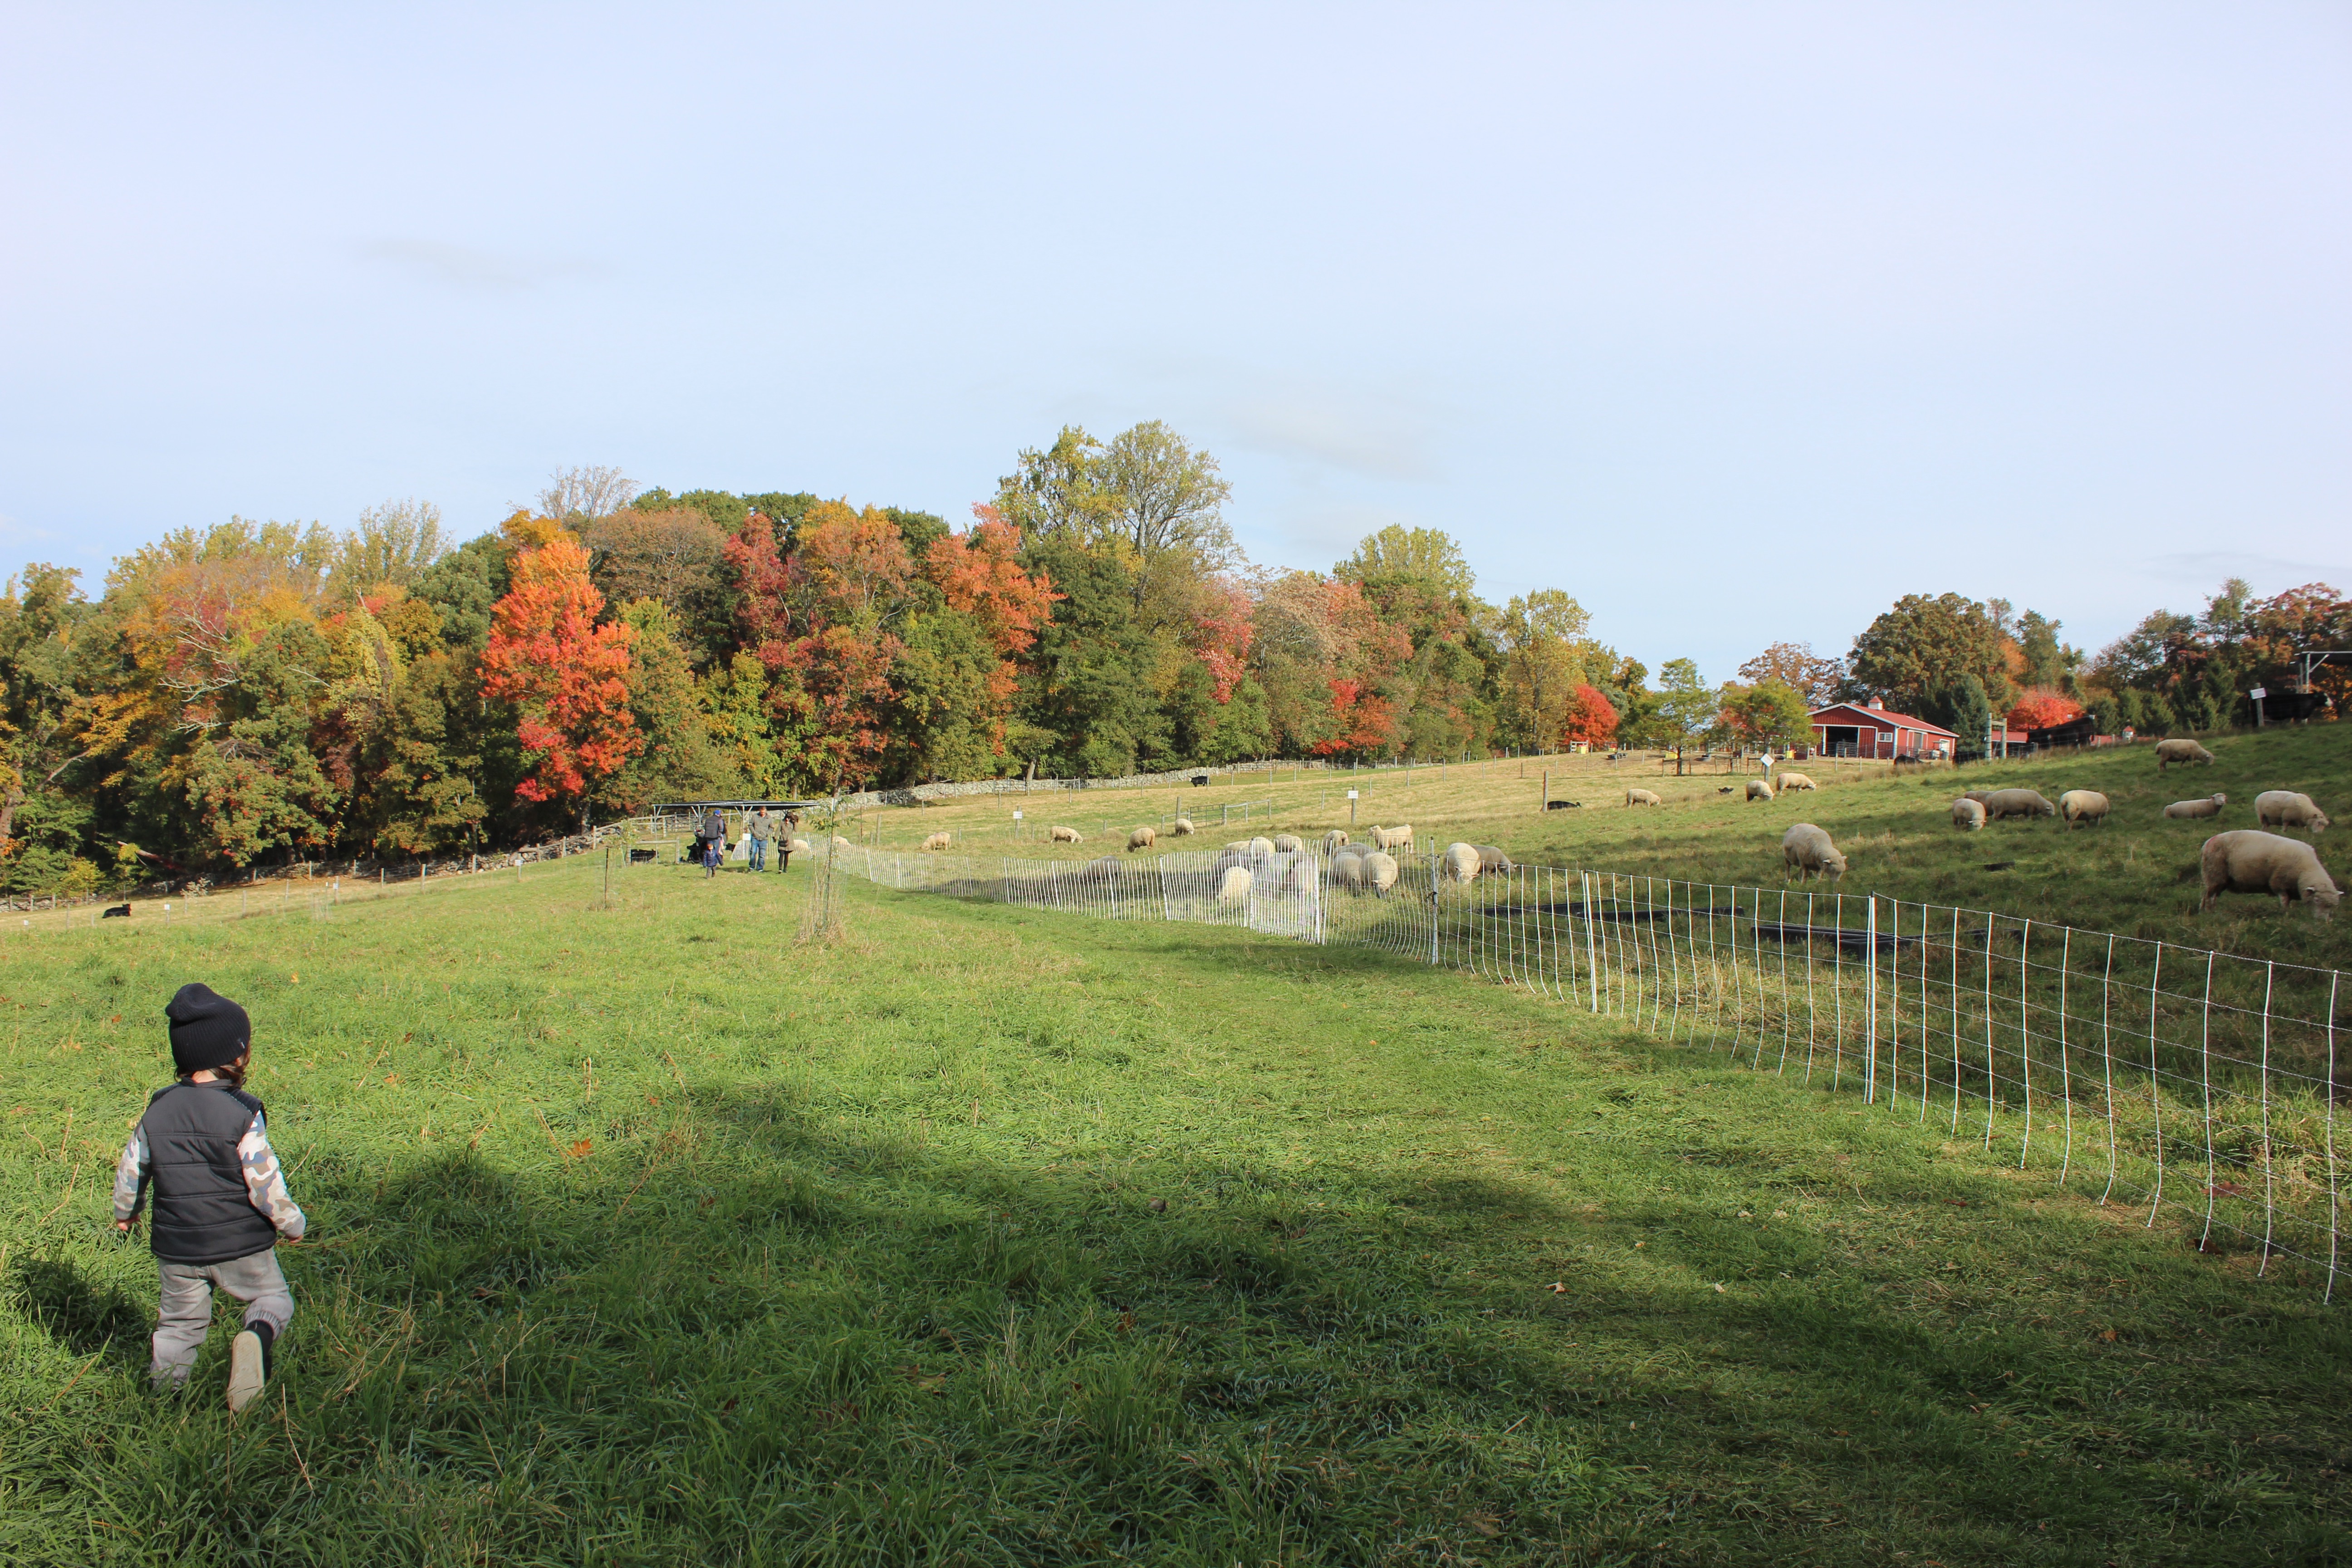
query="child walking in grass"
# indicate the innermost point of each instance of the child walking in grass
(221, 1202)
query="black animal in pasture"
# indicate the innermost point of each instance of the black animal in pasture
(119, 910)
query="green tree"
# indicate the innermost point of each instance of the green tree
(1686, 704)
(1769, 713)
(1923, 644)
(1430, 554)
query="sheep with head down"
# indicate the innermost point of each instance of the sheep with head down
(1142, 838)
(2285, 808)
(1335, 841)
(2077, 806)
(2192, 810)
(1492, 860)
(1347, 870)
(1643, 797)
(1968, 815)
(1288, 844)
(796, 846)
(1182, 828)
(1234, 887)
(1459, 864)
(1379, 871)
(1066, 835)
(1757, 789)
(2003, 803)
(1806, 851)
(2246, 861)
(1795, 781)
(1261, 847)
(2180, 750)
(938, 841)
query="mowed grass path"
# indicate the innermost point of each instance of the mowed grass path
(985, 1236)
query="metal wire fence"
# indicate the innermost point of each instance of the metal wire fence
(2144, 1073)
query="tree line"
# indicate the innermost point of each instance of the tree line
(258, 692)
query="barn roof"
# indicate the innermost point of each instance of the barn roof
(1887, 716)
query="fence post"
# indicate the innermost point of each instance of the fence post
(1869, 1001)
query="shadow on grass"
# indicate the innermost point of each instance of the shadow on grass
(82, 1313)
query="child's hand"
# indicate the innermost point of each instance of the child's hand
(127, 1226)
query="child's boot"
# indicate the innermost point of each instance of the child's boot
(249, 1365)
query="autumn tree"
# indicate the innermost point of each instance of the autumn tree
(1767, 713)
(566, 675)
(1591, 721)
(1796, 666)
(1921, 647)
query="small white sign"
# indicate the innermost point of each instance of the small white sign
(2258, 694)
(1016, 817)
(1351, 795)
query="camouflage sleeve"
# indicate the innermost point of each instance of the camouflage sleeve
(265, 1181)
(130, 1176)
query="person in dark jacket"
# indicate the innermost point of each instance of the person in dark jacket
(714, 842)
(221, 1202)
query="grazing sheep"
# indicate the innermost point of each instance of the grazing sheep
(1806, 851)
(1981, 796)
(2180, 810)
(1238, 847)
(796, 846)
(1066, 835)
(942, 840)
(1643, 797)
(2005, 803)
(1347, 870)
(1759, 789)
(1460, 863)
(2079, 806)
(1234, 887)
(1968, 815)
(1260, 848)
(1492, 860)
(1143, 838)
(1795, 781)
(2183, 751)
(841, 843)
(1183, 829)
(2244, 861)
(1335, 841)
(1288, 844)
(2284, 809)
(1379, 871)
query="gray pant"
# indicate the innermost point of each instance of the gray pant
(186, 1314)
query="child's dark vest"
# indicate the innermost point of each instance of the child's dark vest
(203, 1212)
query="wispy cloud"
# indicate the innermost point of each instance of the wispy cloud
(463, 266)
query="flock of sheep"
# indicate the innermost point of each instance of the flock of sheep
(2241, 861)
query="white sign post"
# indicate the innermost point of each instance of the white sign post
(1351, 808)
(1016, 824)
(2258, 693)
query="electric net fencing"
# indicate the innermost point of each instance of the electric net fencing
(2165, 1079)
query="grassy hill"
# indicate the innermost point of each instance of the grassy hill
(2135, 876)
(644, 1235)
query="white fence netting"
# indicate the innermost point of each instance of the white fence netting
(2173, 1080)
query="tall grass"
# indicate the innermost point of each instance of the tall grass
(646, 1233)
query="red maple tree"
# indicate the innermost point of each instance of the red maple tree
(1591, 719)
(2041, 708)
(567, 675)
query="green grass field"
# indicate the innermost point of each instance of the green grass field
(975, 1234)
(2136, 875)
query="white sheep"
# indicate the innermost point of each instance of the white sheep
(1968, 815)
(1238, 847)
(1260, 848)
(1347, 870)
(2189, 810)
(2244, 861)
(1183, 829)
(1335, 841)
(1643, 797)
(2181, 750)
(2284, 809)
(938, 841)
(796, 846)
(1795, 781)
(1459, 863)
(1981, 796)
(1759, 789)
(1066, 835)
(1234, 887)
(2007, 802)
(1392, 839)
(1491, 859)
(1143, 838)
(2080, 805)
(1806, 851)
(1379, 871)
(1288, 844)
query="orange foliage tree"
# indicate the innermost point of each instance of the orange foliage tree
(2041, 707)
(1591, 719)
(567, 676)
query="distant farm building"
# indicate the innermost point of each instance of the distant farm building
(1869, 730)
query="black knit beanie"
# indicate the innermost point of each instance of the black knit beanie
(209, 1030)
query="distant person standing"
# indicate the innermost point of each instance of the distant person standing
(758, 829)
(714, 841)
(791, 825)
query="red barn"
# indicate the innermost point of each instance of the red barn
(1868, 730)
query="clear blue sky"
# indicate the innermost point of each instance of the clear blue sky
(1734, 322)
